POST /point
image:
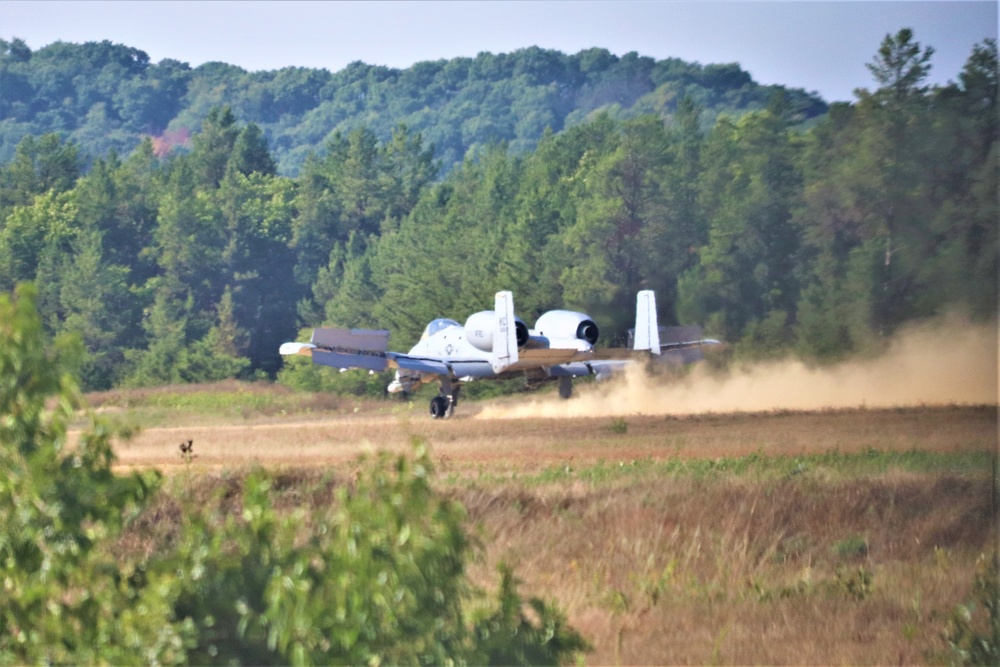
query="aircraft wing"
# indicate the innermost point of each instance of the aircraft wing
(682, 352)
(601, 368)
(552, 356)
(549, 356)
(359, 348)
(367, 349)
(419, 364)
(344, 348)
(606, 362)
(648, 340)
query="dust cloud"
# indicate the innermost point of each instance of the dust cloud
(949, 361)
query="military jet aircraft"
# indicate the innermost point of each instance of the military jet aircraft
(493, 344)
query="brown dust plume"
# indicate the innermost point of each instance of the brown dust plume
(949, 361)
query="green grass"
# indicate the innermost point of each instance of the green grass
(759, 466)
(215, 402)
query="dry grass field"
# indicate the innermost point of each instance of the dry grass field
(468, 442)
(818, 537)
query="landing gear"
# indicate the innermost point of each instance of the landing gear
(443, 405)
(565, 386)
(439, 407)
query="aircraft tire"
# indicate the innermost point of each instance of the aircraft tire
(439, 407)
(565, 387)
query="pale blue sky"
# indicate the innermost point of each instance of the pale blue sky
(821, 46)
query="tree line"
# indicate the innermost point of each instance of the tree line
(107, 96)
(779, 239)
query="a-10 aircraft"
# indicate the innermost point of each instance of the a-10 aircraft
(493, 344)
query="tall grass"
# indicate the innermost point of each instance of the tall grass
(738, 569)
(724, 564)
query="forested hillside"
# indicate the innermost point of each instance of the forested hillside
(104, 96)
(822, 240)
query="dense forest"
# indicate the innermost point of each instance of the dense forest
(105, 96)
(779, 236)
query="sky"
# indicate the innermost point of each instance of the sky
(814, 45)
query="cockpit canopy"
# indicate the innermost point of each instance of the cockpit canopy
(437, 325)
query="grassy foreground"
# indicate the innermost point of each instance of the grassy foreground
(778, 538)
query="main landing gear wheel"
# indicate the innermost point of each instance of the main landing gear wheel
(565, 387)
(443, 405)
(439, 407)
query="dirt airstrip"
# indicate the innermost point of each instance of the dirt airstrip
(470, 442)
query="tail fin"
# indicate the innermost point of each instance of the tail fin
(647, 332)
(504, 333)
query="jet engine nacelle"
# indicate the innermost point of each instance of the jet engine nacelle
(479, 330)
(564, 324)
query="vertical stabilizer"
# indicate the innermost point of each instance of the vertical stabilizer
(647, 331)
(504, 333)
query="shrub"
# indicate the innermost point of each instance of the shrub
(64, 599)
(376, 577)
(852, 547)
(974, 628)
(618, 426)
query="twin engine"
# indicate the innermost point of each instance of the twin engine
(566, 324)
(479, 330)
(553, 325)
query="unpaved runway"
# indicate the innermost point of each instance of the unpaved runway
(466, 442)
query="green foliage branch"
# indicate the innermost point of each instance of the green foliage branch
(973, 631)
(378, 576)
(64, 598)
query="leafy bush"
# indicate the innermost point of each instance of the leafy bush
(377, 576)
(508, 637)
(852, 547)
(618, 426)
(856, 584)
(974, 628)
(65, 599)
